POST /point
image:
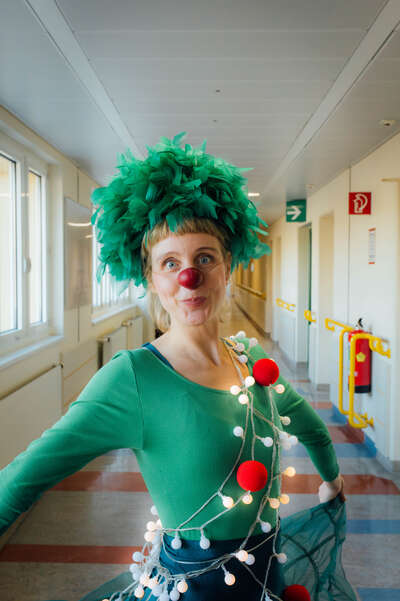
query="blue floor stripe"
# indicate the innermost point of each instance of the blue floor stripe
(343, 449)
(329, 416)
(373, 526)
(379, 594)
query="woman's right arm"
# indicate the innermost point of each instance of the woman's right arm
(107, 415)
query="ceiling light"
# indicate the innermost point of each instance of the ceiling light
(253, 194)
(387, 122)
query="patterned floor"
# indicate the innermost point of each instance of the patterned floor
(84, 530)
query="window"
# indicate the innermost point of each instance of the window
(105, 293)
(23, 241)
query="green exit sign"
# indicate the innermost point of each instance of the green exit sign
(296, 210)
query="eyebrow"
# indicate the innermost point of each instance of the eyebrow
(174, 252)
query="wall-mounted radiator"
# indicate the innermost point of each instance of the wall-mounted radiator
(29, 410)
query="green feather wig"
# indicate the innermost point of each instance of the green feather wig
(171, 184)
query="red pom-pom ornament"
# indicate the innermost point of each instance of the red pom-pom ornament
(296, 592)
(265, 372)
(252, 475)
(190, 278)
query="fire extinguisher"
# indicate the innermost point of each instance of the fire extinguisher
(362, 370)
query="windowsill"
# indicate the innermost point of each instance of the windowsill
(23, 353)
(99, 317)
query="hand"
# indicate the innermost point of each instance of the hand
(329, 490)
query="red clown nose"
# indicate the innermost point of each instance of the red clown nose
(265, 372)
(190, 278)
(252, 475)
(296, 592)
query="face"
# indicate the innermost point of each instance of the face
(174, 254)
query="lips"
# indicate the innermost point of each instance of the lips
(195, 300)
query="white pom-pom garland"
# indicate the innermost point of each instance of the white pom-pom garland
(243, 399)
(250, 559)
(229, 579)
(182, 586)
(243, 358)
(227, 501)
(174, 595)
(238, 431)
(242, 555)
(267, 441)
(290, 471)
(240, 334)
(176, 543)
(281, 557)
(137, 556)
(151, 526)
(249, 381)
(247, 499)
(204, 542)
(240, 347)
(139, 592)
(153, 510)
(285, 420)
(235, 389)
(252, 342)
(265, 526)
(164, 596)
(284, 499)
(274, 503)
(280, 389)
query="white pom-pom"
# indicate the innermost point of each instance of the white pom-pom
(227, 502)
(153, 583)
(137, 556)
(282, 557)
(157, 590)
(153, 510)
(243, 399)
(240, 334)
(286, 445)
(240, 347)
(284, 436)
(250, 559)
(229, 579)
(144, 579)
(182, 586)
(274, 503)
(290, 471)
(135, 571)
(164, 596)
(265, 526)
(284, 499)
(293, 440)
(243, 358)
(249, 381)
(151, 526)
(267, 441)
(158, 523)
(252, 341)
(149, 536)
(174, 595)
(242, 555)
(139, 592)
(235, 389)
(176, 542)
(247, 499)
(285, 420)
(204, 542)
(238, 431)
(280, 389)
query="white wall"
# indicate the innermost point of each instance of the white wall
(345, 287)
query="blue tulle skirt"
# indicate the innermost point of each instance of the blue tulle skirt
(311, 539)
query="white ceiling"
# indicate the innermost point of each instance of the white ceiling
(302, 84)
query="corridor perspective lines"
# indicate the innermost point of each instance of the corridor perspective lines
(83, 531)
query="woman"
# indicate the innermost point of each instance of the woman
(206, 433)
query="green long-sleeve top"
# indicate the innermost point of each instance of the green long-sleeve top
(182, 435)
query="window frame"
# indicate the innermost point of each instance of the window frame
(25, 333)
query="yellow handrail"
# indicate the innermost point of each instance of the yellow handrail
(288, 306)
(257, 293)
(310, 316)
(330, 325)
(376, 345)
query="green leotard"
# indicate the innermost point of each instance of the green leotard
(182, 435)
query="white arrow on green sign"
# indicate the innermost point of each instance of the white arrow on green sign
(296, 210)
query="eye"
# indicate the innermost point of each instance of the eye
(165, 263)
(209, 257)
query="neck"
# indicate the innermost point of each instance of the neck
(198, 343)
